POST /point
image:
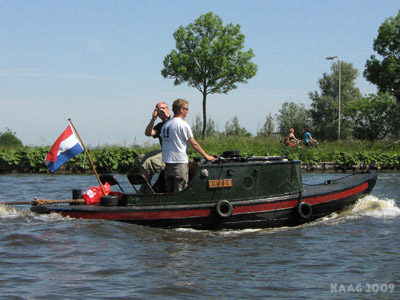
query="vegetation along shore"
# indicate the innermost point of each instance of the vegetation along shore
(326, 156)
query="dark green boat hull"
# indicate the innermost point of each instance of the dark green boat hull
(233, 194)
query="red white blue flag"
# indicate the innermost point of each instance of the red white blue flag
(66, 147)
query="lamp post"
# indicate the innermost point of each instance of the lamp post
(340, 85)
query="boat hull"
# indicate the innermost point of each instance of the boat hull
(313, 202)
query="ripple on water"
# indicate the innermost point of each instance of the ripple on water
(48, 257)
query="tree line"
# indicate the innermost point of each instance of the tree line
(370, 117)
(210, 57)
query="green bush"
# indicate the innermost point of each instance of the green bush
(120, 159)
(9, 140)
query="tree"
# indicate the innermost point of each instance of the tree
(209, 57)
(9, 140)
(386, 73)
(324, 106)
(197, 128)
(232, 128)
(268, 128)
(295, 116)
(375, 116)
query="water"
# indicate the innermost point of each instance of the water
(351, 255)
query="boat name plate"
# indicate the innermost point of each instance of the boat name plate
(219, 183)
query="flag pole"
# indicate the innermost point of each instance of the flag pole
(90, 158)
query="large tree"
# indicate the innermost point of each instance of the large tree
(374, 117)
(324, 106)
(295, 116)
(386, 73)
(209, 57)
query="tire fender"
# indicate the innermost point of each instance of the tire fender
(109, 200)
(305, 210)
(224, 209)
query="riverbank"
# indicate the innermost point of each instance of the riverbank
(328, 156)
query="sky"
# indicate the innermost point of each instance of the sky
(99, 62)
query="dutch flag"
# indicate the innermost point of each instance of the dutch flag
(66, 147)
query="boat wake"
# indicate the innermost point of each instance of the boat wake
(224, 232)
(369, 206)
(12, 212)
(374, 207)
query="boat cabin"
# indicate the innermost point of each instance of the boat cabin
(230, 178)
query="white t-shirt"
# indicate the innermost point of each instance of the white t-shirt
(175, 136)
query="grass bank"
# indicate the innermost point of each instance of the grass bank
(344, 154)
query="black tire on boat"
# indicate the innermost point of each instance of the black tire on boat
(305, 210)
(224, 209)
(109, 200)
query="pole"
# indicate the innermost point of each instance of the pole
(90, 158)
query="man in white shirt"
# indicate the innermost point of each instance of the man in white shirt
(176, 136)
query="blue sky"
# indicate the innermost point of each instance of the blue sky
(99, 62)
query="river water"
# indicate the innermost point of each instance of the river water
(351, 255)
